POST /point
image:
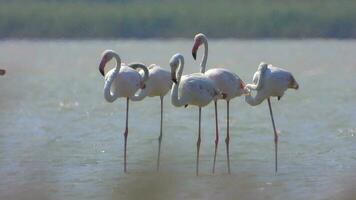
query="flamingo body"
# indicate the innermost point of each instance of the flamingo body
(126, 82)
(121, 81)
(227, 82)
(270, 81)
(196, 89)
(159, 82)
(230, 85)
(193, 89)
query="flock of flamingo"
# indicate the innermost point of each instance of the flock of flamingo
(136, 81)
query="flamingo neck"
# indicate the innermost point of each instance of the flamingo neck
(109, 79)
(254, 101)
(141, 95)
(175, 99)
(205, 56)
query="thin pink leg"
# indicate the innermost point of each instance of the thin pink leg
(275, 135)
(217, 134)
(160, 136)
(227, 140)
(126, 132)
(198, 142)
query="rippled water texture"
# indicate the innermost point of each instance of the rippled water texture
(59, 139)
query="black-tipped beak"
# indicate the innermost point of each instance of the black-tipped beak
(194, 54)
(102, 66)
(2, 72)
(142, 86)
(173, 77)
(195, 49)
(174, 80)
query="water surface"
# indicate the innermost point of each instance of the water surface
(59, 139)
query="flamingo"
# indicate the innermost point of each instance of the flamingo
(227, 82)
(121, 81)
(158, 84)
(2, 72)
(270, 81)
(193, 89)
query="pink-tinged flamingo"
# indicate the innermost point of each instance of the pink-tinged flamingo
(227, 82)
(121, 81)
(192, 89)
(158, 84)
(270, 81)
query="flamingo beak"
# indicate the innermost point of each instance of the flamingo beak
(2, 72)
(142, 85)
(195, 49)
(173, 77)
(102, 66)
(293, 84)
(245, 91)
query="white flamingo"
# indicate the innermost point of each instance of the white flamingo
(2, 72)
(193, 89)
(270, 81)
(228, 83)
(158, 84)
(121, 81)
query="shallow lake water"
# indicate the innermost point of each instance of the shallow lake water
(59, 139)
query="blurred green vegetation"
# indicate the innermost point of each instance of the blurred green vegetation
(177, 18)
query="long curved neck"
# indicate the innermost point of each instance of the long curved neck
(260, 73)
(176, 101)
(141, 95)
(109, 79)
(257, 99)
(136, 66)
(205, 56)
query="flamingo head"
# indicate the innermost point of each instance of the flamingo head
(198, 40)
(244, 90)
(174, 62)
(107, 55)
(293, 83)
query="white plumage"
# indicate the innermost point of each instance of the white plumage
(229, 83)
(158, 84)
(270, 81)
(193, 89)
(121, 81)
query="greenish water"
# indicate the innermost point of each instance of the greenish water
(59, 139)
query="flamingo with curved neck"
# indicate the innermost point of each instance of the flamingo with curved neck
(270, 81)
(193, 89)
(121, 81)
(158, 84)
(229, 83)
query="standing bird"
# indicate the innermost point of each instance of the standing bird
(122, 81)
(193, 89)
(2, 72)
(270, 81)
(158, 84)
(227, 82)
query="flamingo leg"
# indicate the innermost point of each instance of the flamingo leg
(275, 134)
(198, 142)
(217, 134)
(227, 140)
(126, 132)
(160, 136)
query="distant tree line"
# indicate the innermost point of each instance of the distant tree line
(177, 18)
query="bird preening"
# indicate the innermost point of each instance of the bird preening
(135, 82)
